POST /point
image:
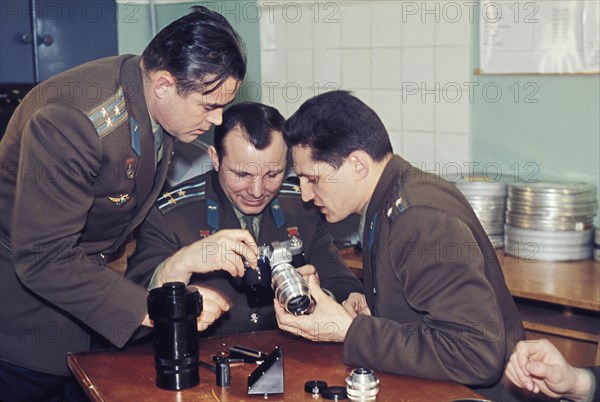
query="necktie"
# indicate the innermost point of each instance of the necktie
(158, 145)
(249, 220)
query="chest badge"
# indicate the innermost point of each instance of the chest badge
(120, 200)
(293, 231)
(204, 233)
(130, 168)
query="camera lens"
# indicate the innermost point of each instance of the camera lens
(298, 305)
(291, 289)
(174, 309)
(362, 385)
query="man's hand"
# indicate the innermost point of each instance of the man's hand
(539, 367)
(224, 250)
(355, 304)
(307, 271)
(213, 307)
(328, 322)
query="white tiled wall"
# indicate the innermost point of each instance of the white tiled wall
(408, 60)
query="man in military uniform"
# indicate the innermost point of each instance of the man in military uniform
(245, 190)
(440, 307)
(83, 160)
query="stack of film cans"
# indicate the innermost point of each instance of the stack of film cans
(550, 221)
(597, 244)
(488, 200)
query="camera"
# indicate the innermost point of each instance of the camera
(277, 276)
(174, 309)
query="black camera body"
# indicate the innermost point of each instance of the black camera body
(277, 276)
(174, 308)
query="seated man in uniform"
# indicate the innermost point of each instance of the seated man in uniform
(199, 223)
(440, 308)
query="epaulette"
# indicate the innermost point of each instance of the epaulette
(179, 194)
(396, 204)
(110, 114)
(290, 187)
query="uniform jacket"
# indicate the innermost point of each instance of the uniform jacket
(440, 306)
(198, 207)
(78, 175)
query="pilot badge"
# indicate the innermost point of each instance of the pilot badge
(120, 200)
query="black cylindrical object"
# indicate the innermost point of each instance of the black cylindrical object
(174, 309)
(223, 378)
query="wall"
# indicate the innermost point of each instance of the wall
(540, 127)
(412, 62)
(135, 28)
(404, 66)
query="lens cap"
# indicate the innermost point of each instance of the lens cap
(315, 386)
(335, 393)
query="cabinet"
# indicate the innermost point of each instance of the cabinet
(40, 38)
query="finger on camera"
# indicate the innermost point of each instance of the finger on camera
(315, 289)
(246, 246)
(307, 269)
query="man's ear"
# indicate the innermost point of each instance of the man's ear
(163, 83)
(212, 152)
(360, 163)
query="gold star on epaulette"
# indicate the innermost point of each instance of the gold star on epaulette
(104, 112)
(172, 201)
(276, 206)
(212, 207)
(108, 122)
(181, 193)
(296, 188)
(116, 109)
(167, 195)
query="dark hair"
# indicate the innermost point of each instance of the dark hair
(258, 121)
(199, 49)
(334, 124)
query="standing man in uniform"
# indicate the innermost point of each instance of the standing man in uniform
(246, 189)
(440, 307)
(79, 173)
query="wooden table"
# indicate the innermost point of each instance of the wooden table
(129, 375)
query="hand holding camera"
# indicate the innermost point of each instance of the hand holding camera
(277, 276)
(225, 250)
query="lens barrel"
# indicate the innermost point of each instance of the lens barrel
(362, 385)
(174, 309)
(291, 289)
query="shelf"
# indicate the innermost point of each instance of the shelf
(573, 284)
(554, 319)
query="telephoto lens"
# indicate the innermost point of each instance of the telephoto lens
(174, 309)
(362, 385)
(291, 290)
